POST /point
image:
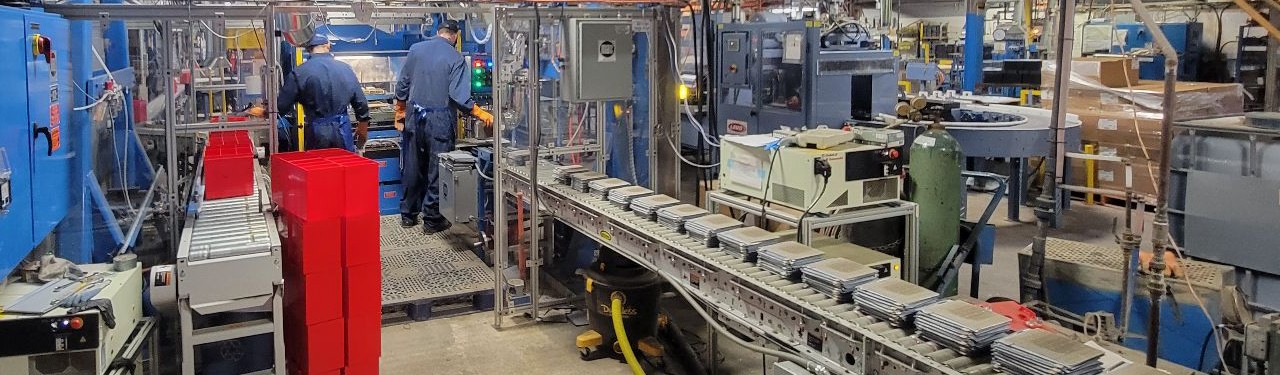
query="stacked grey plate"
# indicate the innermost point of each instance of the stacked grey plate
(563, 173)
(581, 181)
(961, 326)
(787, 258)
(837, 277)
(1040, 352)
(600, 188)
(624, 195)
(705, 229)
(893, 300)
(647, 207)
(674, 217)
(745, 242)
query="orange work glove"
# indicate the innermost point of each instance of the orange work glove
(483, 115)
(400, 114)
(257, 111)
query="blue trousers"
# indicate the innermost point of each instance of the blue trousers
(330, 132)
(429, 133)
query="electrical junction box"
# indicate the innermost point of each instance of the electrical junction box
(600, 53)
(735, 48)
(861, 174)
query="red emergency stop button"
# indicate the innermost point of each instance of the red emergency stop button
(76, 323)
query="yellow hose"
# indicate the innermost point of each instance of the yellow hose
(616, 311)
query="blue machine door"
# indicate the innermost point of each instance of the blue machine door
(51, 152)
(15, 143)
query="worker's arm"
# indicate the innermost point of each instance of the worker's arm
(460, 93)
(288, 96)
(406, 72)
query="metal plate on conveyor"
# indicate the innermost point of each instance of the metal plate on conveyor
(419, 267)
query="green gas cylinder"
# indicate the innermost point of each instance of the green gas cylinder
(935, 163)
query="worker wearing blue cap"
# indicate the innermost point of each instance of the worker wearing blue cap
(431, 87)
(325, 87)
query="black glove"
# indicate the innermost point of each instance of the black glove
(104, 309)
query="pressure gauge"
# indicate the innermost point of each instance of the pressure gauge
(999, 34)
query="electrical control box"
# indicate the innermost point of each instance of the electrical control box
(38, 141)
(846, 175)
(734, 52)
(479, 77)
(600, 53)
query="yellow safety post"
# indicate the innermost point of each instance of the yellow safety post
(302, 145)
(1089, 171)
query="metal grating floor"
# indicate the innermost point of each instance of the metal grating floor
(1111, 257)
(420, 267)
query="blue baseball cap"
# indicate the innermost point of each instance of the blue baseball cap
(318, 40)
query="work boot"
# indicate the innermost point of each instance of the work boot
(430, 228)
(408, 221)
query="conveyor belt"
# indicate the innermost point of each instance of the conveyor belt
(790, 313)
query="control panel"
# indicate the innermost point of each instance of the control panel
(480, 66)
(42, 335)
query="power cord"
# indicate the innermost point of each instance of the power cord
(820, 168)
(768, 180)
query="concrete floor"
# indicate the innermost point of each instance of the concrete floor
(468, 344)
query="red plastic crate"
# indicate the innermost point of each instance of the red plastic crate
(361, 242)
(364, 341)
(312, 246)
(312, 189)
(280, 166)
(361, 368)
(363, 294)
(313, 298)
(315, 348)
(228, 172)
(361, 184)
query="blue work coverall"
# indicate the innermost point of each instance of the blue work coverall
(433, 84)
(325, 87)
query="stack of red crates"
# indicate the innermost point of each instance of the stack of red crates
(333, 271)
(228, 165)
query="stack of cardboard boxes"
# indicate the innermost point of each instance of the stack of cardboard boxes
(1121, 116)
(333, 270)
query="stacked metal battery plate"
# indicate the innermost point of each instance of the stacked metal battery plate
(647, 207)
(581, 181)
(624, 195)
(745, 242)
(1040, 352)
(675, 217)
(837, 277)
(562, 173)
(705, 229)
(601, 188)
(787, 258)
(961, 326)
(458, 161)
(893, 300)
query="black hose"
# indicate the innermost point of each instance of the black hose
(683, 350)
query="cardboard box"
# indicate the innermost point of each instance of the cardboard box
(1116, 71)
(1111, 175)
(313, 298)
(1146, 99)
(1119, 128)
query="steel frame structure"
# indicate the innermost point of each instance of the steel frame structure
(658, 22)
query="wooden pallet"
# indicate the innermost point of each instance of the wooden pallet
(1108, 200)
(420, 310)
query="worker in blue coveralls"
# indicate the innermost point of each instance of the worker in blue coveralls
(325, 87)
(431, 87)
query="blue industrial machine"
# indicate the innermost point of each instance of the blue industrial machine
(793, 74)
(38, 143)
(1186, 39)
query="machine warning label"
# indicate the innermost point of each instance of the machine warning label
(55, 126)
(608, 51)
(735, 127)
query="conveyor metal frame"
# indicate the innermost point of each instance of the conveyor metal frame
(908, 210)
